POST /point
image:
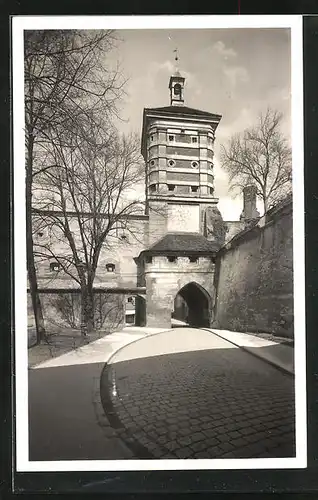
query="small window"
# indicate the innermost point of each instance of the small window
(211, 166)
(194, 140)
(153, 188)
(194, 189)
(110, 267)
(182, 131)
(152, 163)
(124, 237)
(171, 138)
(151, 137)
(171, 187)
(130, 299)
(193, 258)
(40, 234)
(171, 163)
(55, 266)
(149, 259)
(177, 89)
(211, 190)
(172, 258)
(194, 164)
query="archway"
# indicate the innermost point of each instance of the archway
(140, 310)
(192, 305)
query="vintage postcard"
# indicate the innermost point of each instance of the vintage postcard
(159, 288)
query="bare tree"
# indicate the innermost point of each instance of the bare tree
(260, 156)
(91, 170)
(65, 74)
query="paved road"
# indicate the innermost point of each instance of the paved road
(200, 398)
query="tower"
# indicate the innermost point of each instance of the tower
(178, 149)
(250, 212)
(176, 85)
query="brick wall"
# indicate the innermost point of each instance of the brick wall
(254, 277)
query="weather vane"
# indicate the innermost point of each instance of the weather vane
(176, 58)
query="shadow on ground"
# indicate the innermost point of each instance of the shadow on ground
(213, 403)
(58, 341)
(64, 415)
(218, 402)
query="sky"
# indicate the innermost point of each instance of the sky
(236, 73)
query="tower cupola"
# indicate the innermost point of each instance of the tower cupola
(176, 86)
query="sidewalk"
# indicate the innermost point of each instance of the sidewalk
(96, 351)
(276, 351)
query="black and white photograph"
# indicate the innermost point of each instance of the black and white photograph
(159, 234)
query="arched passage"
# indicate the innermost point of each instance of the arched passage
(140, 310)
(192, 305)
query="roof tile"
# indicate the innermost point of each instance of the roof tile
(184, 242)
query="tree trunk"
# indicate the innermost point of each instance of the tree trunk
(87, 310)
(36, 303)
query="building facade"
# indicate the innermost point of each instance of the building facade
(181, 229)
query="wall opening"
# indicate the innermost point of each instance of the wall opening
(192, 306)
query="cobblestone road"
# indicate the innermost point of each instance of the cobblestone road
(215, 403)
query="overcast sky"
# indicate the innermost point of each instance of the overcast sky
(236, 73)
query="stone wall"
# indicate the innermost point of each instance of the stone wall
(254, 277)
(120, 249)
(164, 279)
(63, 310)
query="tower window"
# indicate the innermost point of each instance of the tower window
(172, 258)
(171, 163)
(149, 259)
(151, 137)
(194, 164)
(171, 187)
(55, 266)
(123, 237)
(211, 166)
(194, 140)
(177, 89)
(193, 258)
(153, 188)
(211, 190)
(171, 138)
(152, 163)
(110, 267)
(194, 189)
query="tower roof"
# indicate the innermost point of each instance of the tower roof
(185, 110)
(183, 243)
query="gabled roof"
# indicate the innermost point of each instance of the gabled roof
(185, 110)
(185, 243)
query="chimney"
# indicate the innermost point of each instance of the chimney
(250, 212)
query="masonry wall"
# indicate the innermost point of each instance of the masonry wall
(63, 310)
(164, 279)
(116, 250)
(233, 227)
(254, 277)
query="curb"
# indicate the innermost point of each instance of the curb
(134, 341)
(271, 362)
(105, 411)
